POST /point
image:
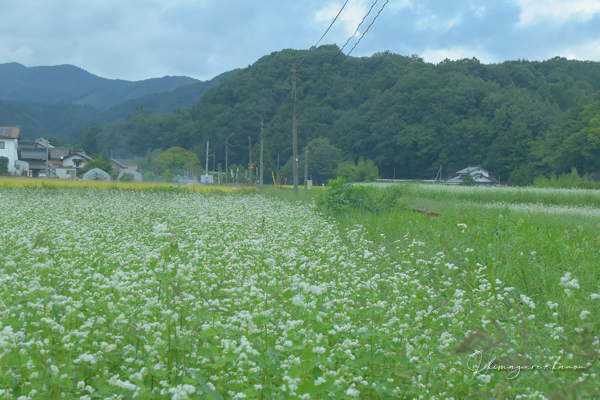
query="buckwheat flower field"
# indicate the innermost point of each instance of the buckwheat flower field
(156, 295)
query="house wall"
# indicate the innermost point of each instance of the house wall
(10, 151)
(70, 162)
(66, 173)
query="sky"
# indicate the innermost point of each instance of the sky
(141, 39)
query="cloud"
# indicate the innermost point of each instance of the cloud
(138, 39)
(542, 11)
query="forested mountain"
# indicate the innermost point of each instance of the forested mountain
(518, 119)
(63, 120)
(9, 116)
(70, 84)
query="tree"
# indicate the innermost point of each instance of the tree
(323, 159)
(468, 180)
(176, 160)
(3, 165)
(91, 141)
(363, 171)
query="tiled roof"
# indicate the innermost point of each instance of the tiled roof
(57, 152)
(77, 154)
(38, 153)
(9, 132)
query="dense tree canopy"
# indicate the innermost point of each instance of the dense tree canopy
(518, 119)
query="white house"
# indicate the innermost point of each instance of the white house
(75, 160)
(9, 138)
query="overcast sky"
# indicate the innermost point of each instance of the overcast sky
(140, 39)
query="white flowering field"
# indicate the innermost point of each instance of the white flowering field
(122, 295)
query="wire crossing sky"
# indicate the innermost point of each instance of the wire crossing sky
(140, 39)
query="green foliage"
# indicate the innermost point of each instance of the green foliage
(125, 178)
(343, 198)
(323, 159)
(177, 160)
(363, 171)
(3, 165)
(149, 176)
(517, 119)
(566, 181)
(167, 176)
(91, 141)
(468, 180)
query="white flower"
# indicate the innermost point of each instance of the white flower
(567, 283)
(181, 392)
(584, 314)
(595, 296)
(528, 301)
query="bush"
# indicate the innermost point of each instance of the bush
(149, 177)
(363, 171)
(566, 181)
(343, 198)
(3, 165)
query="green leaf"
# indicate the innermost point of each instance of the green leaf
(204, 385)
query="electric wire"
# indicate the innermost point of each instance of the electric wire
(358, 27)
(363, 35)
(332, 22)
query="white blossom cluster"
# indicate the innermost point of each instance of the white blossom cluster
(143, 295)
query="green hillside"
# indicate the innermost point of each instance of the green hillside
(9, 116)
(518, 118)
(66, 120)
(70, 84)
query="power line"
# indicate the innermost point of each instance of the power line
(332, 22)
(358, 27)
(363, 35)
(332, 71)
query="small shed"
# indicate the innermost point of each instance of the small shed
(134, 175)
(96, 174)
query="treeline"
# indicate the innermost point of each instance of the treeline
(518, 119)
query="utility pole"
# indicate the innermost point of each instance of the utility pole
(226, 166)
(47, 176)
(295, 131)
(306, 168)
(261, 153)
(250, 157)
(206, 170)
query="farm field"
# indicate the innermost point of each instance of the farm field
(175, 294)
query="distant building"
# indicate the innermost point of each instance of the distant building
(481, 176)
(75, 160)
(37, 158)
(9, 144)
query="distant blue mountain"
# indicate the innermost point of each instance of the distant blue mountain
(70, 84)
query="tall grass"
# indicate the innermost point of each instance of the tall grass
(511, 195)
